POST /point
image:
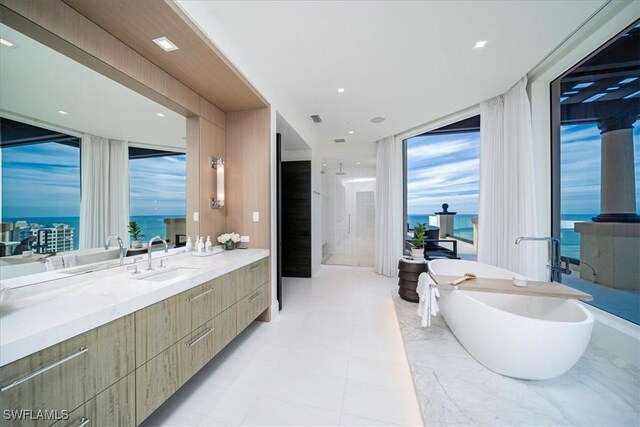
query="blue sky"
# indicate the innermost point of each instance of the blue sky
(43, 180)
(445, 168)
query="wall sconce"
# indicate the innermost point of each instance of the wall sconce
(218, 201)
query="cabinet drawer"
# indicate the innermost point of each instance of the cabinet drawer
(225, 290)
(251, 277)
(161, 325)
(199, 349)
(202, 300)
(66, 375)
(251, 306)
(158, 379)
(225, 324)
(114, 406)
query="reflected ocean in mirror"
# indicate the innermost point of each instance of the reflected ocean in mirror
(40, 223)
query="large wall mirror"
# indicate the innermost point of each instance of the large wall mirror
(81, 157)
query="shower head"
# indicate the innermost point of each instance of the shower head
(341, 173)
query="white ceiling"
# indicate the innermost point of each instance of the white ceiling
(36, 82)
(409, 61)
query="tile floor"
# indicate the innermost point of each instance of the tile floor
(334, 356)
(454, 389)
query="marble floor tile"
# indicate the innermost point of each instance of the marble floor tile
(454, 389)
(392, 405)
(304, 388)
(273, 412)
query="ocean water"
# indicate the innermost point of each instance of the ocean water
(151, 225)
(462, 227)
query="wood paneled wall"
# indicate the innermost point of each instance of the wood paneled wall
(248, 174)
(212, 144)
(59, 26)
(242, 138)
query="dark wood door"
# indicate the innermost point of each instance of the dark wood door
(296, 218)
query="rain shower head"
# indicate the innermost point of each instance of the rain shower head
(341, 173)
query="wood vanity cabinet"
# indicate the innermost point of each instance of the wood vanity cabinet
(66, 375)
(251, 306)
(216, 312)
(251, 277)
(113, 407)
(119, 373)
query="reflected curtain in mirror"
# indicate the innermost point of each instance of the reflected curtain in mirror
(104, 200)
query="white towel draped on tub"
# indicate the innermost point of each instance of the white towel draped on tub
(429, 294)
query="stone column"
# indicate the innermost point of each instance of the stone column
(617, 181)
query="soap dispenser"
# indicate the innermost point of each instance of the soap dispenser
(208, 245)
(189, 245)
(200, 245)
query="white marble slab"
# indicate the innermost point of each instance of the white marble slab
(45, 314)
(454, 389)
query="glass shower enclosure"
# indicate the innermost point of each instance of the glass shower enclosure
(348, 193)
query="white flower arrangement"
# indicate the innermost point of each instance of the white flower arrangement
(224, 238)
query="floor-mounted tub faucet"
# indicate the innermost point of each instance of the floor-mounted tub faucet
(123, 250)
(153, 239)
(556, 270)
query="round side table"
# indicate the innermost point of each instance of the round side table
(410, 269)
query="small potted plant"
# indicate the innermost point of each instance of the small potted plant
(417, 243)
(136, 234)
(229, 240)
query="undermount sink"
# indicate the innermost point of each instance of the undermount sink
(168, 274)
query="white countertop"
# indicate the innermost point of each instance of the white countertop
(48, 313)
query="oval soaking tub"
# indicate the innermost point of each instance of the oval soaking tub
(528, 337)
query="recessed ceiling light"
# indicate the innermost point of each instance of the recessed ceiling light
(7, 43)
(613, 88)
(594, 97)
(352, 132)
(632, 95)
(62, 112)
(377, 120)
(628, 80)
(159, 114)
(340, 90)
(571, 92)
(480, 44)
(165, 44)
(324, 164)
(582, 85)
(357, 163)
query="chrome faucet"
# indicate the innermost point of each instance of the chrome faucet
(153, 239)
(123, 249)
(556, 270)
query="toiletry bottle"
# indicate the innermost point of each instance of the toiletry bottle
(189, 246)
(207, 246)
(200, 245)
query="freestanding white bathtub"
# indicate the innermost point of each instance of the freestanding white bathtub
(533, 338)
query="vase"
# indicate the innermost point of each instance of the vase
(229, 245)
(417, 253)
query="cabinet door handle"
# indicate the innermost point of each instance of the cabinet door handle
(84, 422)
(201, 295)
(44, 369)
(201, 337)
(254, 268)
(255, 296)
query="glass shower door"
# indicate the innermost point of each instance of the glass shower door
(348, 214)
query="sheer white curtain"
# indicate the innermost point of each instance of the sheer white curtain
(104, 201)
(388, 207)
(507, 185)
